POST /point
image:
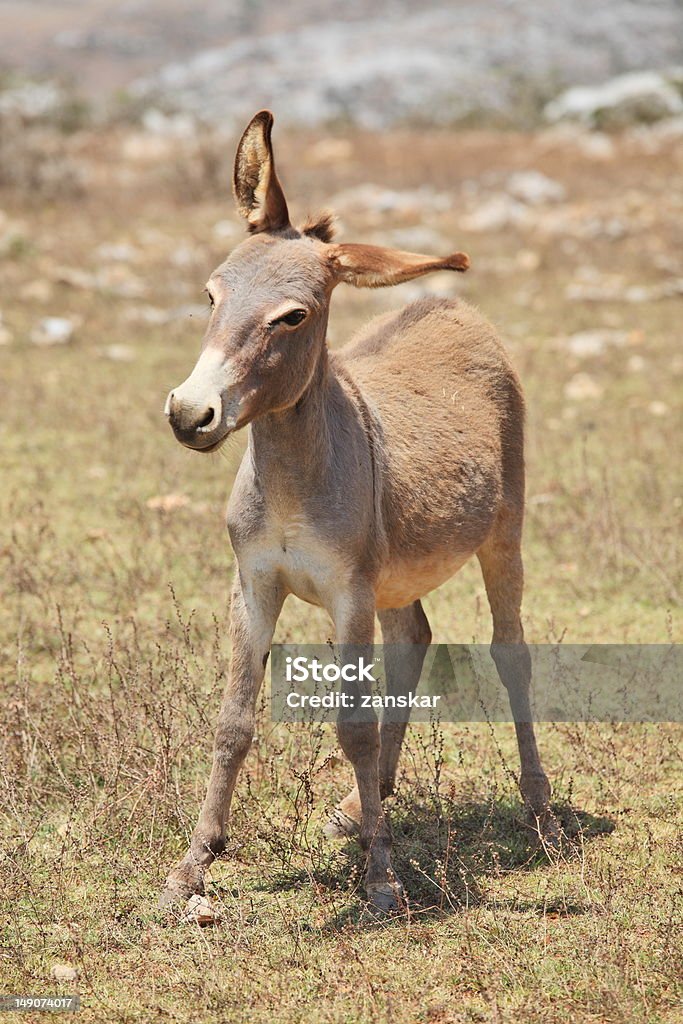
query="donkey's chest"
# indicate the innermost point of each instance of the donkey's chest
(292, 550)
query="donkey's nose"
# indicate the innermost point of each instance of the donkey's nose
(193, 422)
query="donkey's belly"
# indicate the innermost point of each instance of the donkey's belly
(403, 581)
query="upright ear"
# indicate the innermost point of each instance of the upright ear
(373, 266)
(259, 196)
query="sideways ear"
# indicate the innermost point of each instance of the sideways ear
(373, 266)
(259, 196)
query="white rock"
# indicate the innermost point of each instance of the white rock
(64, 972)
(53, 330)
(657, 408)
(583, 387)
(146, 315)
(495, 213)
(31, 100)
(534, 188)
(378, 199)
(117, 251)
(119, 353)
(419, 239)
(594, 343)
(636, 96)
(596, 145)
(173, 126)
(227, 230)
(199, 910)
(527, 259)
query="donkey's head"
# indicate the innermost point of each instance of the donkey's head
(269, 304)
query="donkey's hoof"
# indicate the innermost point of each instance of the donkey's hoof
(546, 833)
(341, 826)
(386, 897)
(176, 895)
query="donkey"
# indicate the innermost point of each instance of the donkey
(372, 474)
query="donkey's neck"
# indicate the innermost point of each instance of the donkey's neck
(292, 449)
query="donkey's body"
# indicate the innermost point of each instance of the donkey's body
(445, 458)
(371, 476)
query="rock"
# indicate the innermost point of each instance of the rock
(199, 910)
(119, 353)
(596, 146)
(185, 255)
(64, 972)
(53, 330)
(419, 239)
(657, 408)
(146, 315)
(118, 252)
(383, 64)
(636, 364)
(169, 126)
(155, 316)
(583, 387)
(527, 259)
(32, 100)
(639, 96)
(368, 197)
(167, 502)
(495, 213)
(609, 290)
(116, 279)
(227, 230)
(534, 188)
(595, 343)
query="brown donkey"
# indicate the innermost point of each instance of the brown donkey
(371, 475)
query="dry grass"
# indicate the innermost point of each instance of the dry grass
(113, 645)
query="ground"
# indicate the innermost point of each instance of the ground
(116, 572)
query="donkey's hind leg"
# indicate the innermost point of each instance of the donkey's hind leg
(403, 665)
(501, 563)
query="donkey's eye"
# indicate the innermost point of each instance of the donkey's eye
(212, 302)
(291, 319)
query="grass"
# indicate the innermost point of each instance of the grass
(113, 644)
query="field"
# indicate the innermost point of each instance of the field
(116, 569)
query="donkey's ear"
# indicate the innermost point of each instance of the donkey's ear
(259, 196)
(373, 266)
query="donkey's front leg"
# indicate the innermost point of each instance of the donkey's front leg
(358, 733)
(253, 614)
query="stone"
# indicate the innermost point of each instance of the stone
(638, 96)
(53, 330)
(582, 387)
(535, 188)
(596, 342)
(64, 972)
(199, 910)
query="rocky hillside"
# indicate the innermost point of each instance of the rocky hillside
(389, 62)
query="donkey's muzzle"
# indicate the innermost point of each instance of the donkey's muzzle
(197, 425)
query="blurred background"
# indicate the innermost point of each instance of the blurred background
(544, 139)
